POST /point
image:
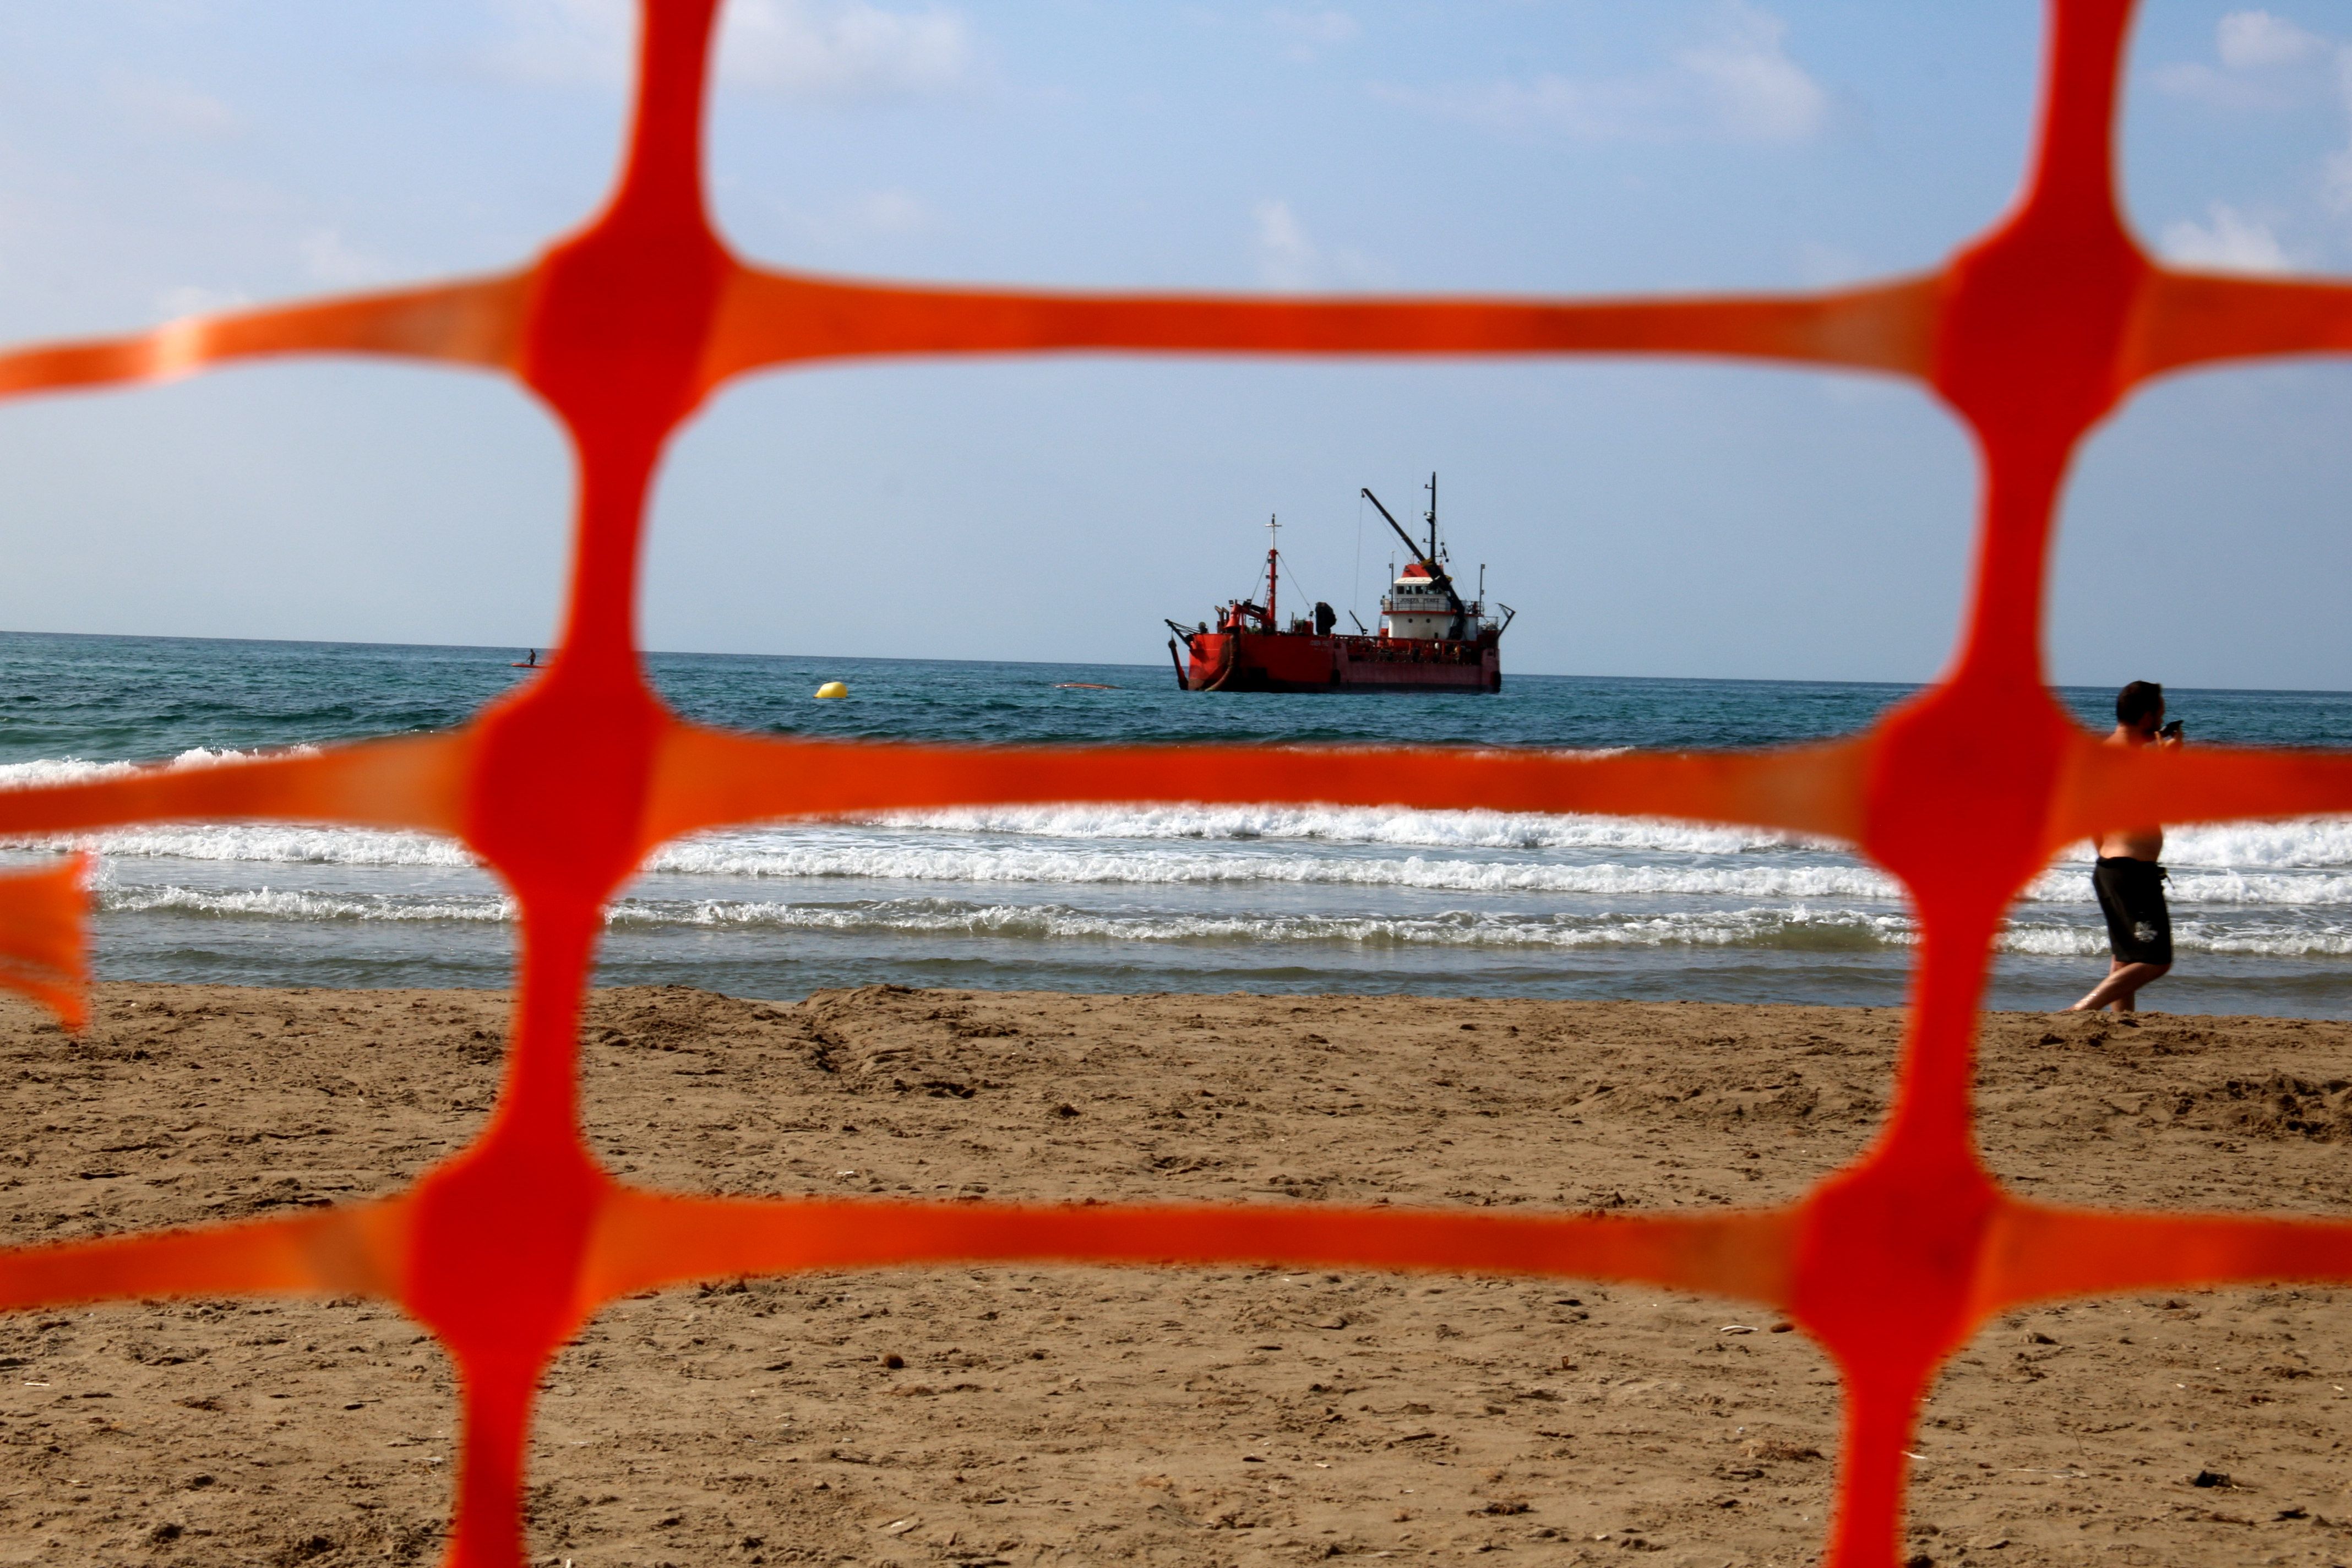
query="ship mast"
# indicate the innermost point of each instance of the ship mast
(1273, 558)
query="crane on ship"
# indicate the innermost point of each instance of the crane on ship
(1430, 561)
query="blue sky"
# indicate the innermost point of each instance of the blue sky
(163, 156)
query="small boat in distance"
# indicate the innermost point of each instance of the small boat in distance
(1430, 639)
(530, 663)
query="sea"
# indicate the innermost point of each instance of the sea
(1168, 897)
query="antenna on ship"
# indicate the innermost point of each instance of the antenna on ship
(1432, 515)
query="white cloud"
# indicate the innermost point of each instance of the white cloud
(1324, 26)
(843, 48)
(332, 260)
(171, 106)
(2335, 181)
(2254, 49)
(2231, 242)
(1286, 258)
(2262, 62)
(808, 49)
(1289, 260)
(566, 41)
(194, 299)
(1306, 34)
(2218, 88)
(1589, 112)
(892, 214)
(2336, 174)
(1755, 91)
(1822, 266)
(2247, 40)
(1739, 84)
(850, 225)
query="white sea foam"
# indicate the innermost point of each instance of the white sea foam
(2300, 842)
(831, 854)
(781, 857)
(953, 918)
(2188, 936)
(1794, 926)
(295, 904)
(906, 855)
(787, 856)
(2312, 889)
(2314, 842)
(1791, 927)
(47, 772)
(1401, 826)
(2279, 891)
(281, 844)
(2316, 890)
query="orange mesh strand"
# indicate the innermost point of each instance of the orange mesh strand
(2030, 335)
(44, 946)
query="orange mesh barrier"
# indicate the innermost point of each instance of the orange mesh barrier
(2031, 334)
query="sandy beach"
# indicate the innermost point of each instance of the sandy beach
(1021, 1416)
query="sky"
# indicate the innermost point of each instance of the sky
(160, 157)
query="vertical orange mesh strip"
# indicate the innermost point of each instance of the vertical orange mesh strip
(44, 946)
(2030, 335)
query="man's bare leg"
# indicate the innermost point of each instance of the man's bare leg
(2120, 989)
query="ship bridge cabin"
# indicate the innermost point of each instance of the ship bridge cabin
(1418, 610)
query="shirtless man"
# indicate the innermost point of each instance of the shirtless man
(2129, 882)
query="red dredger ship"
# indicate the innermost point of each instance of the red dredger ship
(1430, 638)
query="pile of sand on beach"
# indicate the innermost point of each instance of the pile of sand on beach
(1017, 1417)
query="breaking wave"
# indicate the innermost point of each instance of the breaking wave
(2270, 889)
(831, 854)
(1400, 825)
(1795, 927)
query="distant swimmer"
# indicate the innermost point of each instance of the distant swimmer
(2129, 877)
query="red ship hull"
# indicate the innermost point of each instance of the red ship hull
(1302, 661)
(1430, 639)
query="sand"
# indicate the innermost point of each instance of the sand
(1222, 1416)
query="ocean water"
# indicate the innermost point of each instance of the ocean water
(1168, 897)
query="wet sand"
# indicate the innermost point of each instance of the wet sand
(1177, 1417)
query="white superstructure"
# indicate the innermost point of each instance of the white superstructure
(1416, 608)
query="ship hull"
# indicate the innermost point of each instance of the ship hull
(1301, 661)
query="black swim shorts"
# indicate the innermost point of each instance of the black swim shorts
(2131, 895)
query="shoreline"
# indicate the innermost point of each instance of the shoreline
(1169, 1417)
(2059, 981)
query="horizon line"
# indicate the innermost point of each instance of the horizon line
(651, 653)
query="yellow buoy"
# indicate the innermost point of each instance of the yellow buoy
(833, 689)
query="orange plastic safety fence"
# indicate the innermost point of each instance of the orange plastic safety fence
(2030, 335)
